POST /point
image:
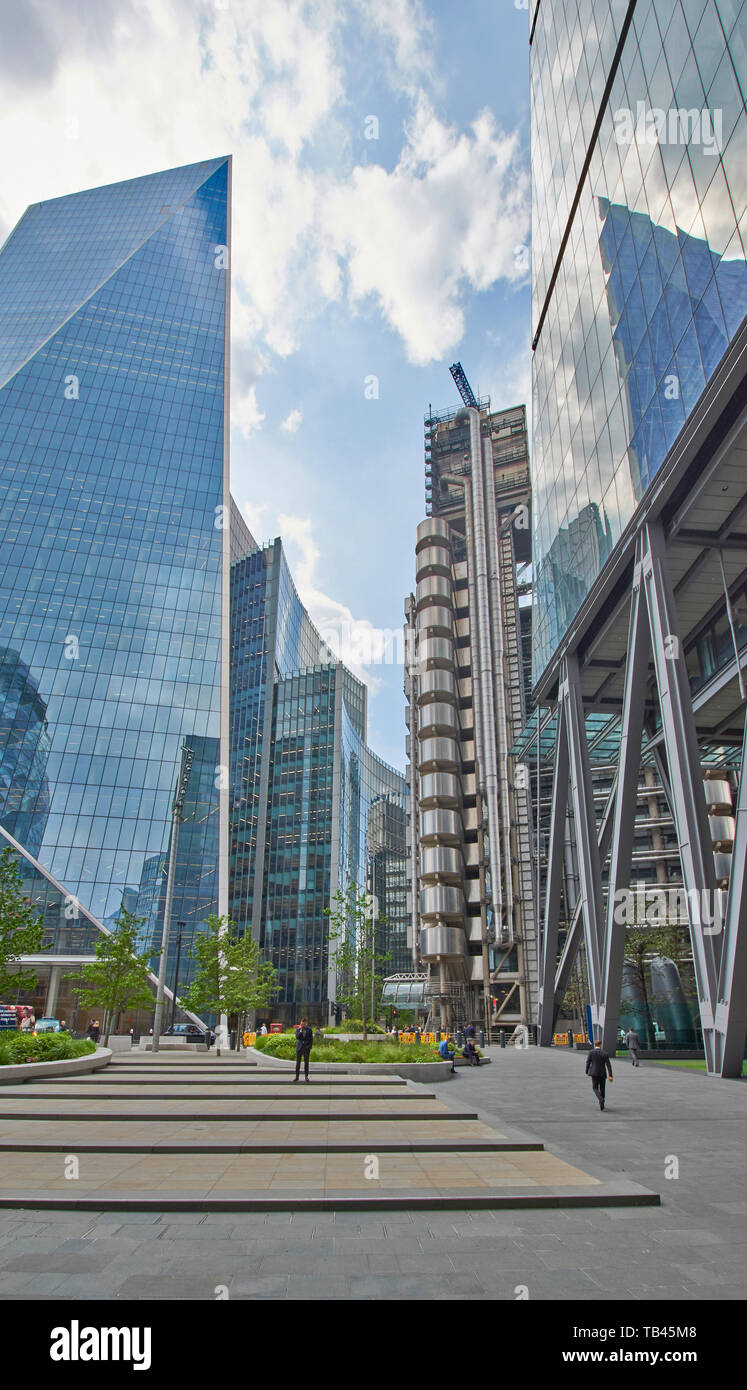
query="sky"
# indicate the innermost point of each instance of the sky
(380, 232)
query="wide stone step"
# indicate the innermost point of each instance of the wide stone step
(240, 1181)
(625, 1194)
(360, 1116)
(303, 1095)
(175, 1134)
(388, 1083)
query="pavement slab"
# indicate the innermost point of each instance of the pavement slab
(484, 1221)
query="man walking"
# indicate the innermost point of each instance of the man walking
(598, 1067)
(633, 1044)
(304, 1044)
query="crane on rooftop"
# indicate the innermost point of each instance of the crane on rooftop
(463, 386)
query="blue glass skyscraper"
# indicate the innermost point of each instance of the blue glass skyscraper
(113, 495)
(313, 809)
(138, 616)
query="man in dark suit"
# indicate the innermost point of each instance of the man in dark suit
(304, 1044)
(598, 1067)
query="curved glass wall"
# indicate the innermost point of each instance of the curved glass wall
(652, 284)
(112, 362)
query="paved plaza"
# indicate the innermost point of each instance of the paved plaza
(537, 1135)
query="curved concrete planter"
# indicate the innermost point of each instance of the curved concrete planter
(410, 1071)
(67, 1066)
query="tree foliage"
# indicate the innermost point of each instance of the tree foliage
(21, 926)
(359, 962)
(231, 975)
(118, 978)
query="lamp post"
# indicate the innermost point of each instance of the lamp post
(176, 818)
(180, 926)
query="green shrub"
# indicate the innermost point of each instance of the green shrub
(47, 1047)
(283, 1047)
(352, 1025)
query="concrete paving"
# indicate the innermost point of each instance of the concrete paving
(174, 1154)
(658, 1121)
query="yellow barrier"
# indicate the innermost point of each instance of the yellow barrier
(249, 1039)
(562, 1039)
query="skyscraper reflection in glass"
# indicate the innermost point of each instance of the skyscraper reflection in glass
(112, 490)
(638, 262)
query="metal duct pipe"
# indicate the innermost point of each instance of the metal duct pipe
(501, 721)
(485, 687)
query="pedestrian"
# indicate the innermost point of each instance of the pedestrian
(263, 1030)
(469, 1031)
(448, 1056)
(63, 1026)
(598, 1067)
(633, 1044)
(304, 1044)
(470, 1052)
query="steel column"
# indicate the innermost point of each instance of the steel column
(554, 877)
(621, 856)
(685, 777)
(731, 1008)
(575, 931)
(587, 844)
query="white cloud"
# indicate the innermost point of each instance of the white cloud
(447, 216)
(254, 519)
(355, 641)
(268, 82)
(246, 415)
(292, 422)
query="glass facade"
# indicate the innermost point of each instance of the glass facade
(125, 565)
(112, 364)
(638, 291)
(308, 796)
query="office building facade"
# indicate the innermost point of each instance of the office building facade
(313, 809)
(471, 852)
(639, 287)
(138, 616)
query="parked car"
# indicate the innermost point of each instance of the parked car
(190, 1031)
(47, 1025)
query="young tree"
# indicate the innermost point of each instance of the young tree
(21, 928)
(642, 944)
(118, 978)
(358, 960)
(231, 977)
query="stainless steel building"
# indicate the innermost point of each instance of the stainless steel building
(466, 683)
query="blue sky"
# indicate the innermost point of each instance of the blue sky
(352, 257)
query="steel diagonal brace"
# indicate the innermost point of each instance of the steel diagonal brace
(576, 929)
(685, 777)
(628, 769)
(731, 1009)
(554, 879)
(587, 844)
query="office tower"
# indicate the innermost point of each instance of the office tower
(466, 681)
(639, 289)
(139, 618)
(113, 487)
(313, 809)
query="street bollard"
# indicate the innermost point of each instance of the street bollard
(482, 1037)
(503, 1037)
